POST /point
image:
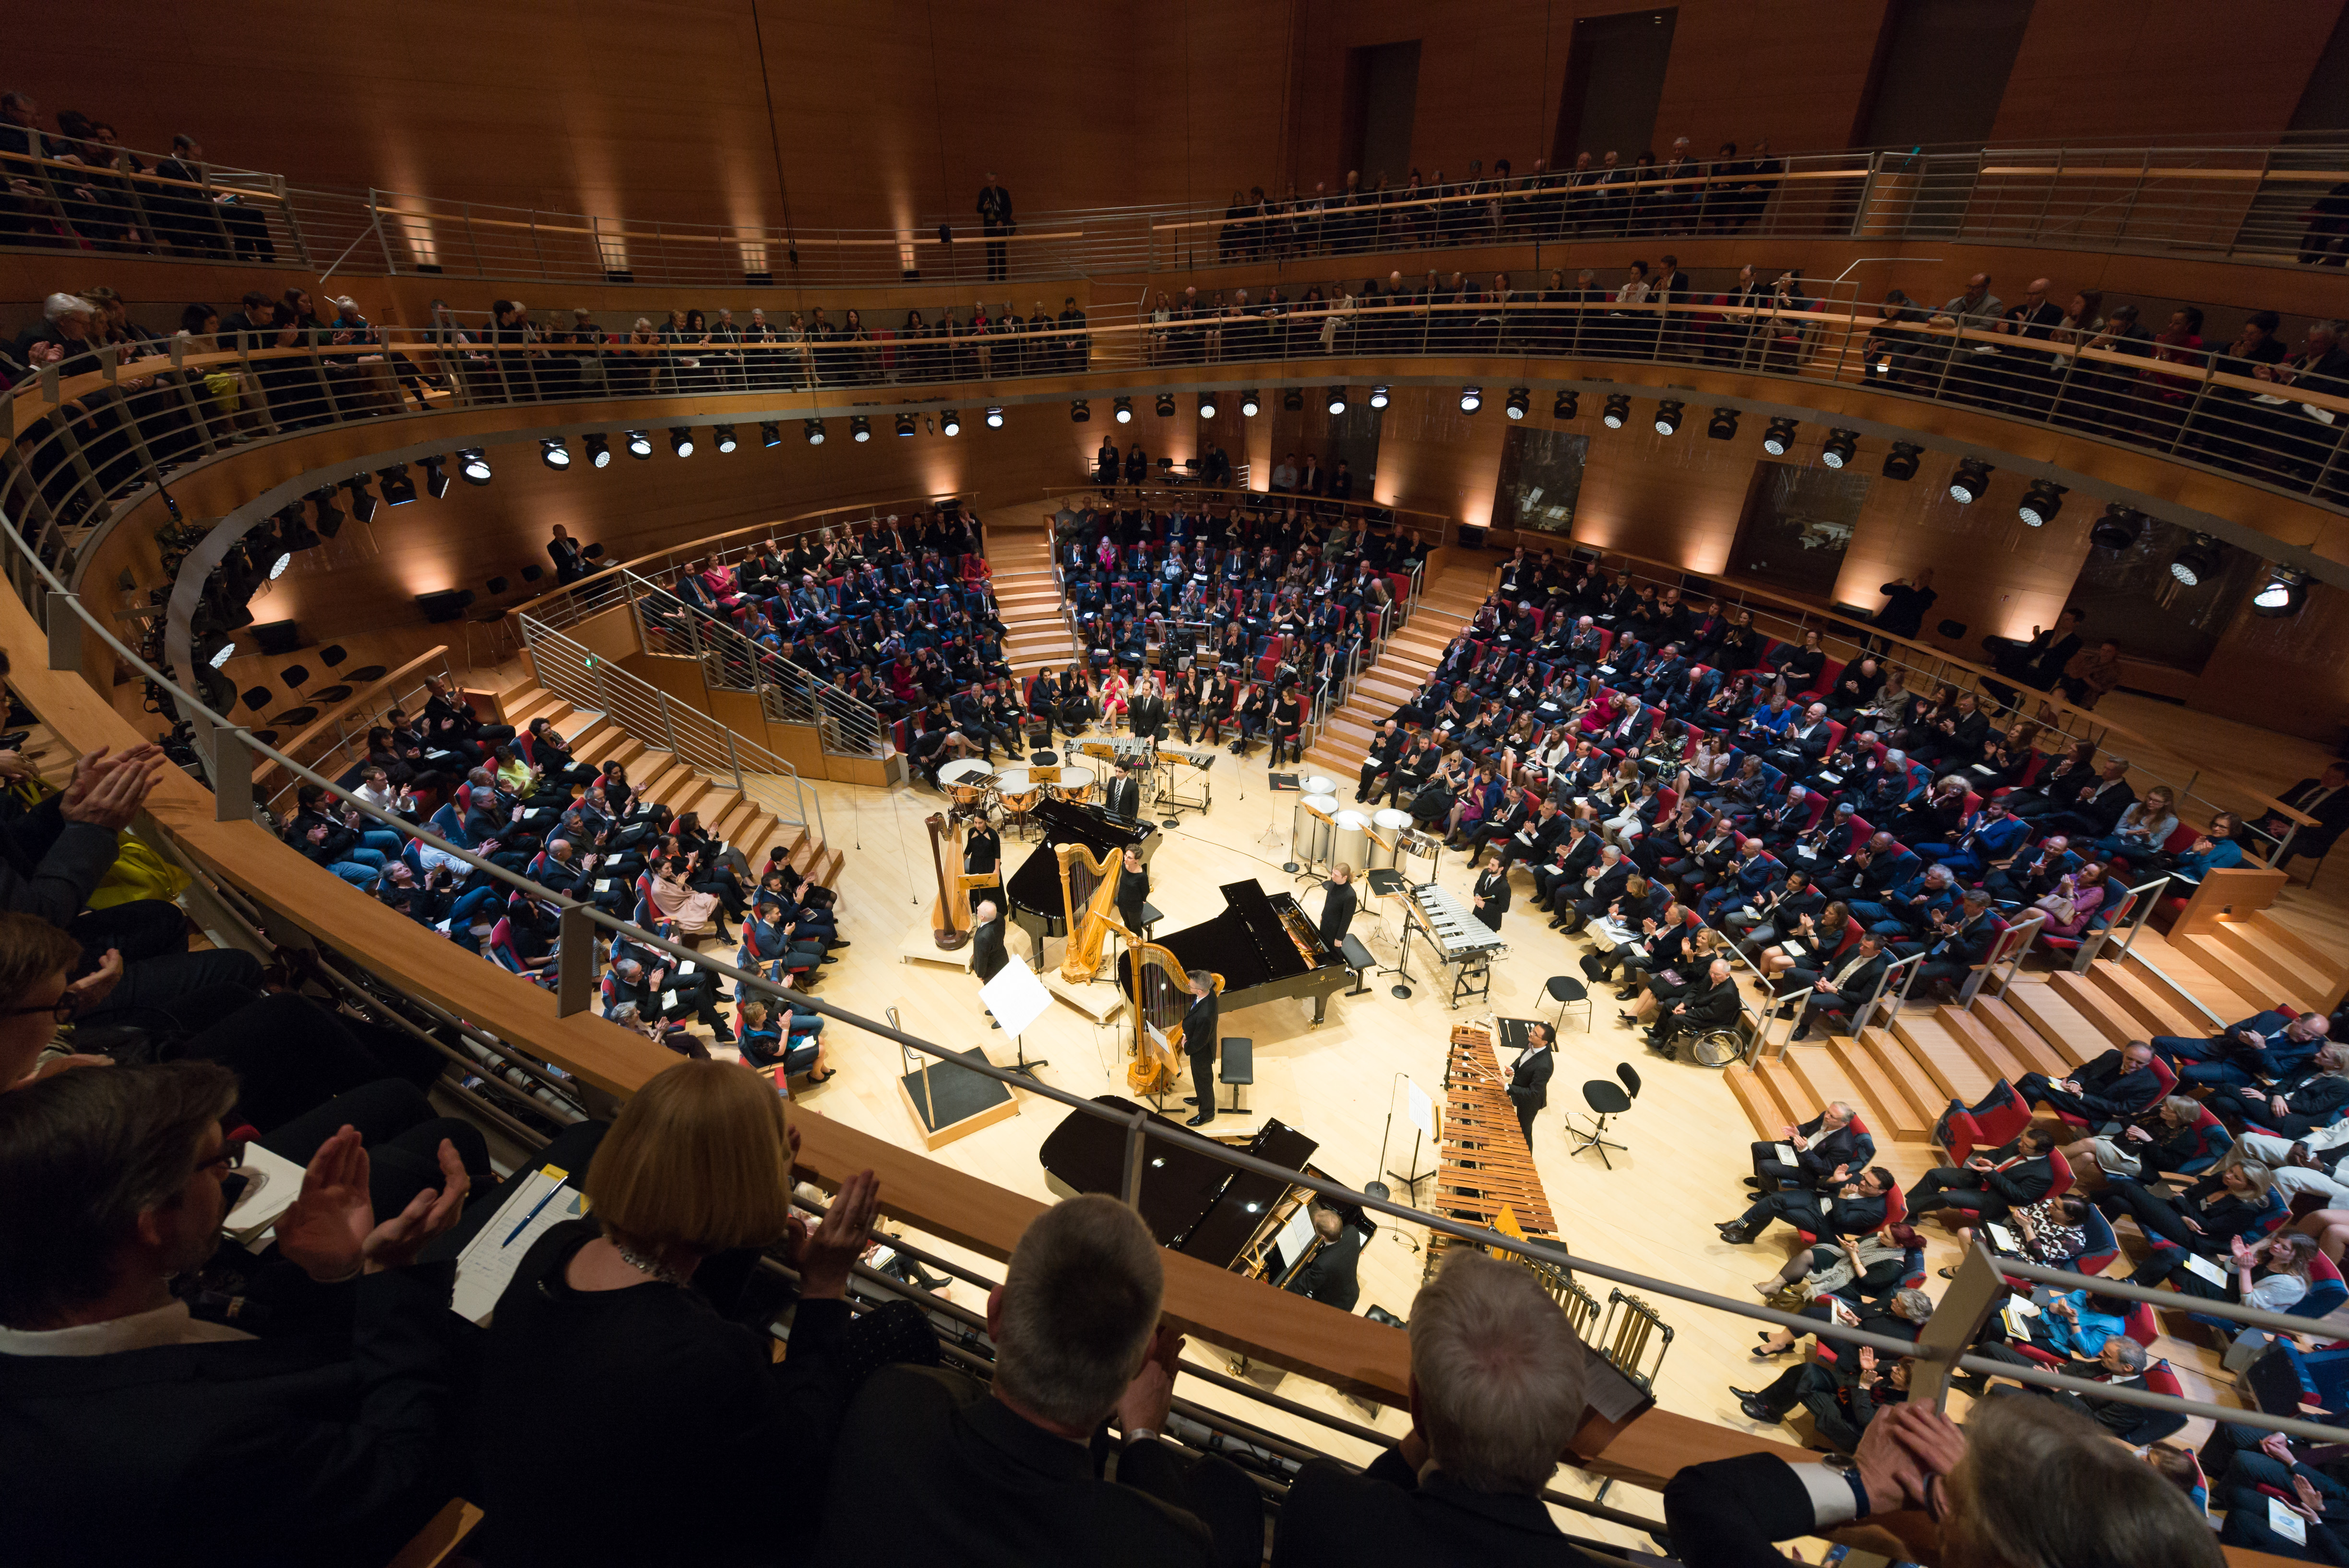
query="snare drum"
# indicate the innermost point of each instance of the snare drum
(1349, 840)
(1389, 824)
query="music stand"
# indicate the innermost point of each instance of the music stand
(1305, 869)
(1279, 784)
(1017, 999)
(1387, 882)
(1422, 1110)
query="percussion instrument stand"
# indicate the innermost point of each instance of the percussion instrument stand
(1402, 965)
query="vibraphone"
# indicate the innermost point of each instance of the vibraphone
(1483, 1165)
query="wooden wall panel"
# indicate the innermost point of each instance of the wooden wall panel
(1790, 70)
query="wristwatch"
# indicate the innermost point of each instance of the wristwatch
(1135, 1434)
(1847, 1467)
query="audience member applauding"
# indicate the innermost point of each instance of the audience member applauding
(1989, 1187)
(610, 1365)
(1497, 1380)
(942, 1470)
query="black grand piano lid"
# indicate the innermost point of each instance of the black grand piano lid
(1035, 887)
(1189, 1199)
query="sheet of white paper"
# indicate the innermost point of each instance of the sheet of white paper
(2287, 1524)
(685, 967)
(1422, 1111)
(2195, 1262)
(1016, 997)
(275, 1182)
(1785, 1154)
(604, 884)
(668, 1000)
(488, 1262)
(1296, 1237)
(2003, 1238)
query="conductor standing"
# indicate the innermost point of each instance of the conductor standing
(1529, 1078)
(988, 953)
(1338, 905)
(1200, 1039)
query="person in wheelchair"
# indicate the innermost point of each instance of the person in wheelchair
(1709, 1006)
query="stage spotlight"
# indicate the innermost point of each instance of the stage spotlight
(1165, 405)
(1668, 415)
(1723, 426)
(1901, 462)
(770, 433)
(362, 498)
(1778, 435)
(1969, 480)
(1336, 396)
(814, 432)
(2118, 527)
(1080, 412)
(950, 422)
(904, 426)
(474, 464)
(554, 453)
(1249, 405)
(2197, 561)
(1292, 399)
(680, 441)
(640, 446)
(436, 482)
(297, 534)
(1471, 399)
(860, 429)
(213, 657)
(1520, 399)
(329, 516)
(1841, 447)
(1618, 409)
(1123, 411)
(1206, 405)
(599, 451)
(722, 438)
(2041, 500)
(1378, 397)
(398, 489)
(2284, 593)
(1568, 404)
(995, 418)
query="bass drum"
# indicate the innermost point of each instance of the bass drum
(1351, 846)
(1391, 824)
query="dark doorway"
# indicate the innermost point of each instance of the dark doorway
(1940, 70)
(1614, 80)
(1382, 97)
(2132, 596)
(1798, 522)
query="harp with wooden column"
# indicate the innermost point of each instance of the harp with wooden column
(1159, 993)
(950, 917)
(1088, 883)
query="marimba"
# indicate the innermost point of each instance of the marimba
(1483, 1165)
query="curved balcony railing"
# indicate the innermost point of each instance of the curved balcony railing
(2274, 204)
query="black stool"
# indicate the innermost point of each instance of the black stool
(1565, 992)
(1238, 1068)
(1606, 1099)
(1357, 958)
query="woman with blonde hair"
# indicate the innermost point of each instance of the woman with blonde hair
(644, 1295)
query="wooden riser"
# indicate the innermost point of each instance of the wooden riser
(2094, 1004)
(2172, 972)
(1763, 1090)
(1945, 1062)
(2023, 1042)
(2216, 958)
(1887, 1110)
(1899, 1067)
(2152, 1007)
(1983, 1047)
(2058, 1022)
(2265, 951)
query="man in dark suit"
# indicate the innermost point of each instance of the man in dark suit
(1146, 713)
(2263, 1046)
(1328, 1276)
(2121, 1363)
(570, 566)
(147, 1427)
(1712, 1005)
(2118, 1085)
(1199, 1041)
(994, 218)
(1391, 747)
(1841, 990)
(1855, 1209)
(950, 1471)
(1338, 902)
(2296, 1103)
(1122, 798)
(988, 953)
(2325, 797)
(1529, 1076)
(1992, 1189)
(1496, 1389)
(1828, 1148)
(1490, 901)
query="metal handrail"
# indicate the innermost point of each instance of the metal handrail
(68, 621)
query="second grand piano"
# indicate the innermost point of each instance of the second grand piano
(1263, 946)
(1034, 890)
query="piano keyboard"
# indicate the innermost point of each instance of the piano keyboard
(1457, 933)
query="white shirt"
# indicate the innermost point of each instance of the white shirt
(142, 1330)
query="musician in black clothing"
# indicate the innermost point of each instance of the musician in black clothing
(982, 851)
(1328, 1276)
(1132, 889)
(1123, 796)
(1338, 905)
(1200, 1040)
(988, 953)
(1491, 899)
(1253, 709)
(1529, 1076)
(1287, 725)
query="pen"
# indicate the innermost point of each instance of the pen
(544, 1198)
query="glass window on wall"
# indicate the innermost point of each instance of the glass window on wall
(1798, 522)
(1541, 480)
(2133, 596)
(1329, 439)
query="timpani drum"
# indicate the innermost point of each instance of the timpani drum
(1349, 843)
(1310, 829)
(1019, 790)
(968, 781)
(1317, 785)
(1075, 785)
(1390, 824)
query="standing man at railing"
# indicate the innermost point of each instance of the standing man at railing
(994, 218)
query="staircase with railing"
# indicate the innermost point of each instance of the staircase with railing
(676, 755)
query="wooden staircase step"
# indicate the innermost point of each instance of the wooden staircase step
(2025, 1043)
(1944, 1061)
(2058, 1022)
(2153, 1010)
(2094, 1004)
(2238, 973)
(2270, 954)
(1988, 1051)
(2174, 973)
(1770, 1096)
(1889, 1111)
(1821, 1078)
(2290, 941)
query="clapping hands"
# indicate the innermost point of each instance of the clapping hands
(1905, 1455)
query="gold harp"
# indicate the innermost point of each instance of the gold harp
(950, 917)
(1161, 995)
(1090, 888)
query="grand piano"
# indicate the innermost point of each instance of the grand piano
(1192, 1203)
(1034, 890)
(1263, 946)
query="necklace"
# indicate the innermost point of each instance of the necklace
(644, 1265)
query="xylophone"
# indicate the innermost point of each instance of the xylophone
(1483, 1165)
